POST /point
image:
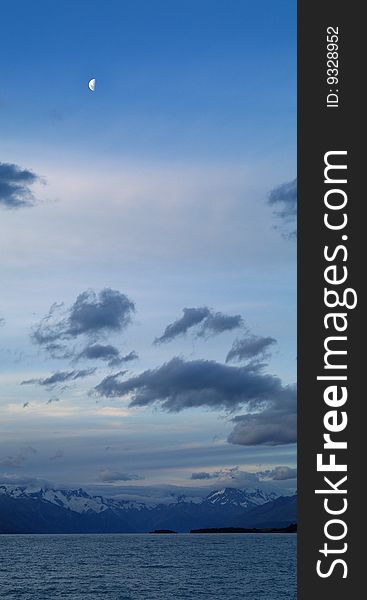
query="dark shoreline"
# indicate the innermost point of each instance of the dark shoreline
(290, 529)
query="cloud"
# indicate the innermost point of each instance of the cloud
(212, 323)
(280, 473)
(227, 473)
(191, 317)
(107, 353)
(128, 357)
(92, 314)
(200, 475)
(15, 186)
(285, 196)
(60, 377)
(51, 400)
(110, 476)
(276, 424)
(177, 385)
(180, 384)
(218, 322)
(246, 477)
(252, 346)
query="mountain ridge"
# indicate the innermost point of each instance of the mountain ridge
(76, 511)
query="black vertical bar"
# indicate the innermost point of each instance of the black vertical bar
(322, 128)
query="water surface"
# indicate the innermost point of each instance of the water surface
(148, 567)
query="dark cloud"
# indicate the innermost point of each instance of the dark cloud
(218, 322)
(15, 186)
(60, 377)
(99, 351)
(181, 384)
(92, 314)
(285, 197)
(107, 353)
(111, 475)
(212, 323)
(200, 475)
(252, 346)
(274, 425)
(191, 317)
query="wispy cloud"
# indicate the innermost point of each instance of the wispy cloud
(211, 323)
(190, 318)
(249, 347)
(92, 314)
(285, 197)
(53, 399)
(59, 377)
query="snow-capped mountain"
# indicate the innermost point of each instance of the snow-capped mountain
(81, 502)
(49, 510)
(237, 497)
(76, 500)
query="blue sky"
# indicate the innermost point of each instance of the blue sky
(157, 186)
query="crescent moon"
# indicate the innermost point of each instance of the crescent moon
(92, 85)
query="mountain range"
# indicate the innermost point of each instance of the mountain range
(75, 511)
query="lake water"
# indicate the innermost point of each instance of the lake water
(148, 567)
